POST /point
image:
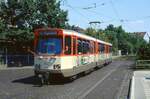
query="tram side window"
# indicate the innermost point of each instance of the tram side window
(79, 46)
(99, 49)
(102, 48)
(86, 47)
(83, 46)
(110, 49)
(74, 46)
(68, 45)
(94, 47)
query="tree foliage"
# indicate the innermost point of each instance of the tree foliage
(144, 52)
(2, 27)
(21, 17)
(120, 39)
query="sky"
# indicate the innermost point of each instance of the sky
(132, 15)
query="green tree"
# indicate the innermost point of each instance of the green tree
(2, 28)
(91, 32)
(19, 18)
(144, 52)
(121, 40)
(48, 14)
(23, 16)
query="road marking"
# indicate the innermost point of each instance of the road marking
(92, 88)
(122, 85)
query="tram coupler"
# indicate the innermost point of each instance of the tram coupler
(44, 78)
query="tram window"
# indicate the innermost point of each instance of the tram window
(68, 45)
(74, 46)
(79, 46)
(94, 47)
(51, 45)
(110, 49)
(99, 48)
(85, 47)
(102, 48)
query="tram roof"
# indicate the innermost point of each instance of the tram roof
(71, 32)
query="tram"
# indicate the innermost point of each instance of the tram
(68, 53)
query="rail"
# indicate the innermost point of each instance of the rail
(143, 64)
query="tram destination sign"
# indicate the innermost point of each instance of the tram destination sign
(48, 33)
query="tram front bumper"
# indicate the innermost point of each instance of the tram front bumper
(63, 73)
(42, 71)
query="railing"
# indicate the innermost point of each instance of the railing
(16, 60)
(143, 64)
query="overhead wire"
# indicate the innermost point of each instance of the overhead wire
(75, 9)
(114, 10)
(86, 19)
(126, 21)
(91, 11)
(98, 14)
(117, 15)
(89, 8)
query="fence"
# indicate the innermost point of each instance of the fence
(16, 60)
(143, 64)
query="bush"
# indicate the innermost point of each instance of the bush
(144, 52)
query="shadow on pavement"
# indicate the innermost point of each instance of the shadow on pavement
(27, 80)
(36, 82)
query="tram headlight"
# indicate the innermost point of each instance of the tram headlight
(57, 66)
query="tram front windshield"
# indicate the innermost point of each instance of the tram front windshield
(51, 45)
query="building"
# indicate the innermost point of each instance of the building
(141, 34)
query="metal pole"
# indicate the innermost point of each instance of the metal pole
(95, 25)
(6, 57)
(28, 59)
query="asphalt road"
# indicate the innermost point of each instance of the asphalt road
(109, 82)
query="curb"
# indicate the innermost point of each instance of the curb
(17, 68)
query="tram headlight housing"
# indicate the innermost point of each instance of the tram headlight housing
(57, 66)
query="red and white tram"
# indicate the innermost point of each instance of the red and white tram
(66, 52)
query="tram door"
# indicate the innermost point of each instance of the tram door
(74, 45)
(94, 51)
(74, 49)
